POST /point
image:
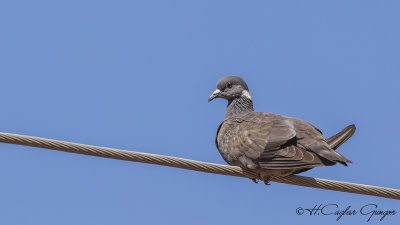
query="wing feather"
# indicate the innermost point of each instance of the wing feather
(267, 141)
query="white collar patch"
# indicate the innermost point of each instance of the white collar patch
(246, 94)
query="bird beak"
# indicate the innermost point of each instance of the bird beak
(215, 94)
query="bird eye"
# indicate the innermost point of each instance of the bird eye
(229, 85)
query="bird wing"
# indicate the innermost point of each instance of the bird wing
(263, 140)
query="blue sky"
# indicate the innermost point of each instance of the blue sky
(136, 75)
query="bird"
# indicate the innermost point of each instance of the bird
(268, 143)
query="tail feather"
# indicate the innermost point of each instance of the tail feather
(338, 139)
(334, 142)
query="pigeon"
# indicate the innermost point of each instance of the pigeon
(268, 143)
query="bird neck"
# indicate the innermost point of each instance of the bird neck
(239, 106)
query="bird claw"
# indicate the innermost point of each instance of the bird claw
(266, 180)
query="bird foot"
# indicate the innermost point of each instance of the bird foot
(266, 180)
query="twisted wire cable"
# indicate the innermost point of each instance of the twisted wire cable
(195, 165)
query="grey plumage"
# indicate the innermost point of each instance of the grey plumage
(338, 139)
(269, 142)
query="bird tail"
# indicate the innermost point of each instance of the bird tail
(338, 139)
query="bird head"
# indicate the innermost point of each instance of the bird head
(229, 88)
